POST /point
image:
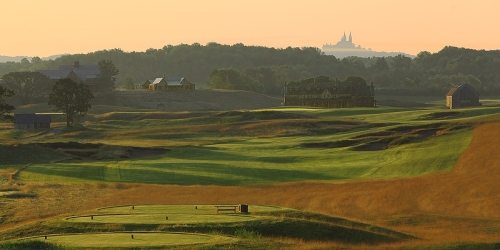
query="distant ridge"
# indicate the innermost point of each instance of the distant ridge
(4, 59)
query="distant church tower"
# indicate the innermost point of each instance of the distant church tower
(350, 37)
(343, 39)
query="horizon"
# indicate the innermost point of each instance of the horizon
(64, 27)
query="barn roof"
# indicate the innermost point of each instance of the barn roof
(459, 86)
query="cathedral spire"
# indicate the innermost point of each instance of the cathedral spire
(350, 37)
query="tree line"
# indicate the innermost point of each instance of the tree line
(264, 69)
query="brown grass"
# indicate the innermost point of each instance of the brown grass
(456, 206)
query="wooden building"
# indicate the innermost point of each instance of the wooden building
(327, 93)
(462, 95)
(31, 121)
(171, 84)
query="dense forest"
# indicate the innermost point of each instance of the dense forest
(265, 70)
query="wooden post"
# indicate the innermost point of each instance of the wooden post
(132, 236)
(166, 217)
(91, 217)
(195, 207)
(132, 207)
(45, 236)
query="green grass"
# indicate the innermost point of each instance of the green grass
(259, 161)
(140, 239)
(253, 147)
(177, 214)
(146, 224)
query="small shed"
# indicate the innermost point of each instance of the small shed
(462, 95)
(31, 121)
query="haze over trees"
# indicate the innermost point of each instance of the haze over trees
(71, 98)
(264, 70)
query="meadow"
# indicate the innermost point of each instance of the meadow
(360, 164)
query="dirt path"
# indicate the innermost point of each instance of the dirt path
(50, 132)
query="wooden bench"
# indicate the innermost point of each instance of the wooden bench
(226, 208)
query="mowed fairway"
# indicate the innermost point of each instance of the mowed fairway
(261, 161)
(125, 240)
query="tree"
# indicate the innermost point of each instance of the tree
(107, 75)
(27, 85)
(129, 83)
(5, 108)
(232, 79)
(70, 97)
(380, 65)
(36, 60)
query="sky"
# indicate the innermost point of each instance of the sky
(52, 27)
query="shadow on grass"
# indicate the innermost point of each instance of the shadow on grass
(180, 174)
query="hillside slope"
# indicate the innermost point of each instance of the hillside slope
(190, 100)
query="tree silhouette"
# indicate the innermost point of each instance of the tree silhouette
(70, 97)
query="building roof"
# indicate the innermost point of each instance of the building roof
(84, 72)
(31, 118)
(170, 81)
(157, 80)
(174, 80)
(459, 86)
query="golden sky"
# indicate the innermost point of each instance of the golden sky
(49, 27)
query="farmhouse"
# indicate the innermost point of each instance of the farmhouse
(327, 93)
(31, 121)
(462, 95)
(86, 74)
(171, 84)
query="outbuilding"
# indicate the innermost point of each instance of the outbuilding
(462, 95)
(31, 121)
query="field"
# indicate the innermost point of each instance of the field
(401, 177)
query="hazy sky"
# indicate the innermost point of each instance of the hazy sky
(48, 27)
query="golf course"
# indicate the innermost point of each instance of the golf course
(389, 177)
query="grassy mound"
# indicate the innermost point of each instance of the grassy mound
(129, 240)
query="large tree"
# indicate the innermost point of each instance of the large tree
(5, 108)
(71, 98)
(107, 76)
(27, 85)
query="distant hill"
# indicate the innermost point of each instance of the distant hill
(19, 58)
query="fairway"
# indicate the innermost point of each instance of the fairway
(140, 239)
(262, 161)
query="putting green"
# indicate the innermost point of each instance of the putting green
(138, 240)
(170, 214)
